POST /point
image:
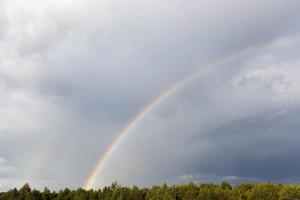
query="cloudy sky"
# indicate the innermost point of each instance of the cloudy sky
(73, 73)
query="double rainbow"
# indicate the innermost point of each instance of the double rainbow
(168, 92)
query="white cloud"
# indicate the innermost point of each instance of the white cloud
(6, 168)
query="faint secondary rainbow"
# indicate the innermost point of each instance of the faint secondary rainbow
(168, 92)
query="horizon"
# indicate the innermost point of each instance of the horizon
(148, 92)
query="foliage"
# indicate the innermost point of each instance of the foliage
(205, 191)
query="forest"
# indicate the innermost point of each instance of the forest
(191, 191)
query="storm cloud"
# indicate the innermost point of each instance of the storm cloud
(73, 73)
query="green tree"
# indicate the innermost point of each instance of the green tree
(264, 191)
(136, 194)
(46, 194)
(25, 192)
(10, 195)
(241, 191)
(226, 186)
(160, 193)
(188, 192)
(207, 192)
(290, 192)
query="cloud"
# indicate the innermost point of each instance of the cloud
(5, 168)
(198, 178)
(243, 123)
(72, 74)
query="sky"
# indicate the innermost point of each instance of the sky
(74, 73)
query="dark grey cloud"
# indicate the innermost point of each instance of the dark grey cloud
(72, 74)
(259, 147)
(242, 124)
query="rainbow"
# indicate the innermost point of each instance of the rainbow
(168, 92)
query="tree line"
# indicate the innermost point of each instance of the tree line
(191, 191)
